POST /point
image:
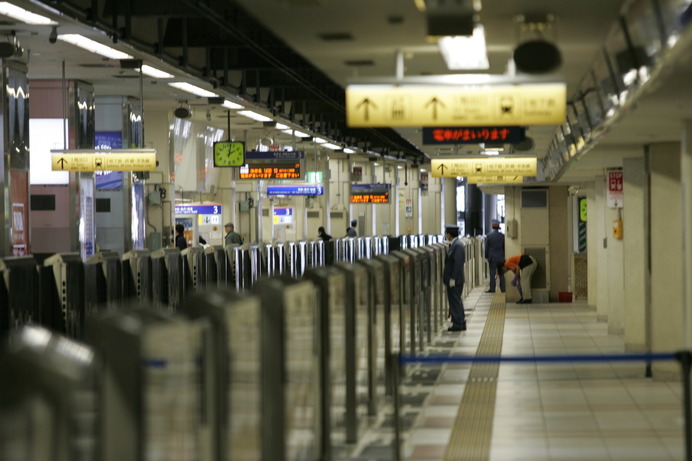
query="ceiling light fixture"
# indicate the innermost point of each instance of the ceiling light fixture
(296, 133)
(153, 72)
(320, 140)
(254, 116)
(349, 151)
(465, 52)
(23, 15)
(231, 105)
(93, 46)
(331, 146)
(281, 126)
(192, 89)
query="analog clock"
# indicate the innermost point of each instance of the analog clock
(229, 153)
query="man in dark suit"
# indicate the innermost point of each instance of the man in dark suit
(453, 278)
(495, 253)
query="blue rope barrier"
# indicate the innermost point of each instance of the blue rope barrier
(405, 359)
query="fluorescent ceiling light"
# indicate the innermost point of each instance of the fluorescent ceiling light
(319, 140)
(331, 146)
(193, 89)
(155, 73)
(23, 15)
(296, 133)
(254, 116)
(232, 105)
(465, 53)
(349, 151)
(93, 46)
(281, 126)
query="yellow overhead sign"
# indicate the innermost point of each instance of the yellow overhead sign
(494, 166)
(458, 105)
(493, 179)
(101, 160)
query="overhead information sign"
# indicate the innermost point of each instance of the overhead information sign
(454, 105)
(104, 160)
(270, 171)
(370, 193)
(474, 135)
(295, 190)
(516, 179)
(494, 166)
(274, 155)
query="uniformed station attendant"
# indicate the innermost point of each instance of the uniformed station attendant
(453, 277)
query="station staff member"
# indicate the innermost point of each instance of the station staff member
(523, 267)
(453, 278)
(232, 236)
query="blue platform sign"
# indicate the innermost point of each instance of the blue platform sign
(369, 188)
(274, 155)
(295, 190)
(198, 209)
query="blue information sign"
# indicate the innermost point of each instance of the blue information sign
(370, 187)
(274, 155)
(198, 209)
(295, 190)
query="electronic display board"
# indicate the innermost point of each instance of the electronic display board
(370, 193)
(270, 171)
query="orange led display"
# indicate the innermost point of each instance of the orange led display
(271, 171)
(370, 198)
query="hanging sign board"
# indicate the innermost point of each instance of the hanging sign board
(492, 179)
(474, 135)
(274, 155)
(295, 190)
(453, 105)
(370, 193)
(497, 166)
(270, 171)
(103, 160)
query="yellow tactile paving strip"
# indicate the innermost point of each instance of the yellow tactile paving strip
(472, 431)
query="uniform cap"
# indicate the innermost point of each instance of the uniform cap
(452, 228)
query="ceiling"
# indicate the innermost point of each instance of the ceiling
(292, 59)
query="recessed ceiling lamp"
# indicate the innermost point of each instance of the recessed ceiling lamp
(25, 16)
(93, 46)
(465, 52)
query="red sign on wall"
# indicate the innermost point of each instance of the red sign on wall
(615, 189)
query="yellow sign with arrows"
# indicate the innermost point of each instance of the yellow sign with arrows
(474, 167)
(458, 105)
(104, 160)
(516, 179)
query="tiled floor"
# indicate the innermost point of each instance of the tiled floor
(547, 411)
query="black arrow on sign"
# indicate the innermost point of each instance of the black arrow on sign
(434, 101)
(367, 103)
(442, 168)
(62, 163)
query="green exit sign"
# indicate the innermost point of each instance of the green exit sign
(314, 177)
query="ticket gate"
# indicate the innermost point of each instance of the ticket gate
(48, 398)
(137, 283)
(168, 289)
(216, 266)
(103, 281)
(232, 370)
(194, 268)
(62, 288)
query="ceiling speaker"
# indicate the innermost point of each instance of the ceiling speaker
(537, 57)
(182, 112)
(7, 49)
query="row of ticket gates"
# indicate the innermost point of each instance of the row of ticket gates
(274, 352)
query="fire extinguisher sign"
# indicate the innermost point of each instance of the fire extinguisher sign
(615, 196)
